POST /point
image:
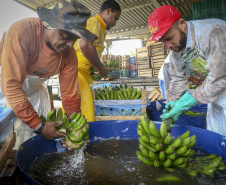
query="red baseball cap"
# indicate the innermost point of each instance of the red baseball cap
(161, 20)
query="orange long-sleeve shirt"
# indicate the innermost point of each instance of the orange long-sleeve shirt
(22, 44)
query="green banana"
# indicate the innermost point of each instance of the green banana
(76, 137)
(77, 117)
(157, 164)
(178, 161)
(147, 145)
(191, 144)
(153, 140)
(185, 142)
(145, 138)
(181, 151)
(159, 147)
(144, 150)
(177, 143)
(134, 93)
(193, 173)
(153, 155)
(153, 129)
(167, 163)
(168, 139)
(62, 130)
(139, 126)
(162, 156)
(170, 150)
(145, 124)
(43, 118)
(144, 159)
(50, 115)
(73, 115)
(138, 95)
(212, 156)
(59, 114)
(163, 130)
(172, 156)
(184, 135)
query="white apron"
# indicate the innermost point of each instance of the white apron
(38, 96)
(216, 115)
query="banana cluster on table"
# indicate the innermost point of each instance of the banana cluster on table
(117, 93)
(158, 148)
(75, 127)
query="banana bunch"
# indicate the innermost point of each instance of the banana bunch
(111, 64)
(117, 93)
(158, 148)
(207, 165)
(75, 127)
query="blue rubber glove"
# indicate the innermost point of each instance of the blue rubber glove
(184, 103)
(169, 106)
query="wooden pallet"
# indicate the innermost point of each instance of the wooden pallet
(137, 117)
(145, 73)
(155, 95)
(143, 63)
(6, 147)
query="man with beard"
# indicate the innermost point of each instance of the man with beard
(200, 46)
(89, 53)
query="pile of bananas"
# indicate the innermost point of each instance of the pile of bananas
(206, 165)
(111, 64)
(117, 93)
(160, 149)
(75, 127)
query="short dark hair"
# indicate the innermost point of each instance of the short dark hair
(110, 4)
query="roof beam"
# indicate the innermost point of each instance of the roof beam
(137, 5)
(130, 32)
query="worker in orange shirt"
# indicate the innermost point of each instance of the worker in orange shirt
(35, 49)
(89, 53)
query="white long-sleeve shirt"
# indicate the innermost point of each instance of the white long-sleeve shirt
(209, 37)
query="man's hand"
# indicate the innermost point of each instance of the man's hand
(184, 103)
(49, 131)
(104, 72)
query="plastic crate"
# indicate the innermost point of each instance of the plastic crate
(114, 73)
(132, 67)
(200, 122)
(124, 73)
(133, 74)
(132, 60)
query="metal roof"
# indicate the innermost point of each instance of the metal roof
(134, 16)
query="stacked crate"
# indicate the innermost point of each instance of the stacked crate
(143, 62)
(158, 53)
(124, 66)
(150, 59)
(133, 67)
(107, 58)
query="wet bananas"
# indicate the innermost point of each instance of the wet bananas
(75, 127)
(158, 148)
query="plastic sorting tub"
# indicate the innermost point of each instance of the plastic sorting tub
(154, 111)
(126, 129)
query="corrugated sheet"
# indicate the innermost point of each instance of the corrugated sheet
(135, 13)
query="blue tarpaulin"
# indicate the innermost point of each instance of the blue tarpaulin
(7, 117)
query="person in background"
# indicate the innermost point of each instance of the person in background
(35, 49)
(89, 53)
(198, 45)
